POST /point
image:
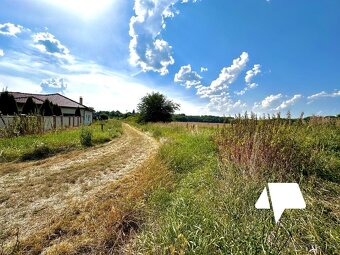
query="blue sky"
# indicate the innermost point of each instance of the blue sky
(211, 56)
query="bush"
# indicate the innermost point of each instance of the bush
(57, 110)
(103, 116)
(8, 105)
(40, 151)
(86, 137)
(77, 112)
(29, 107)
(46, 108)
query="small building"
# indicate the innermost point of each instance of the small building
(67, 105)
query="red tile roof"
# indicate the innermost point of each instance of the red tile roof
(56, 98)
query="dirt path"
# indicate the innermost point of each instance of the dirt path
(31, 191)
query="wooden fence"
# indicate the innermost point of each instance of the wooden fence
(45, 123)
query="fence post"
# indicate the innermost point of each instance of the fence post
(54, 122)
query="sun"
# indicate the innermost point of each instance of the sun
(83, 8)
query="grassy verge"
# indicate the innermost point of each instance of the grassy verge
(208, 205)
(40, 146)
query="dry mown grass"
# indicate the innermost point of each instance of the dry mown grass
(81, 204)
(104, 223)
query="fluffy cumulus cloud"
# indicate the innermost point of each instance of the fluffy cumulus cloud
(287, 103)
(227, 76)
(1, 53)
(267, 102)
(246, 88)
(204, 69)
(148, 49)
(47, 43)
(187, 77)
(10, 29)
(53, 85)
(223, 103)
(250, 74)
(323, 94)
(220, 100)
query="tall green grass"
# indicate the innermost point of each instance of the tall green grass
(216, 178)
(43, 145)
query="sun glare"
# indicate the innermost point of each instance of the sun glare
(83, 8)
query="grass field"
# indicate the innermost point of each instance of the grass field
(217, 176)
(195, 195)
(40, 146)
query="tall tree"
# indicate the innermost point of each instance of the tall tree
(156, 107)
(46, 108)
(8, 105)
(29, 107)
(77, 113)
(57, 110)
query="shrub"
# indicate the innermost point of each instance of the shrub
(77, 112)
(40, 151)
(103, 116)
(46, 108)
(29, 107)
(86, 137)
(57, 110)
(8, 105)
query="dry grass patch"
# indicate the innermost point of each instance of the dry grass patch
(104, 223)
(77, 202)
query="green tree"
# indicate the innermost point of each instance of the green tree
(103, 116)
(57, 110)
(46, 108)
(77, 113)
(8, 105)
(29, 107)
(156, 107)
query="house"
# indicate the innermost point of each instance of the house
(67, 105)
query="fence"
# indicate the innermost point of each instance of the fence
(45, 123)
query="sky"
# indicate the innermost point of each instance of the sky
(210, 56)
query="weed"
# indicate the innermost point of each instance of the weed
(86, 137)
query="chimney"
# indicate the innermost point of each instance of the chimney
(80, 100)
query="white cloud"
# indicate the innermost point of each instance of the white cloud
(10, 29)
(288, 102)
(18, 84)
(252, 73)
(220, 101)
(106, 91)
(147, 48)
(204, 69)
(2, 53)
(47, 43)
(187, 77)
(248, 87)
(53, 85)
(267, 102)
(323, 94)
(222, 104)
(227, 76)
